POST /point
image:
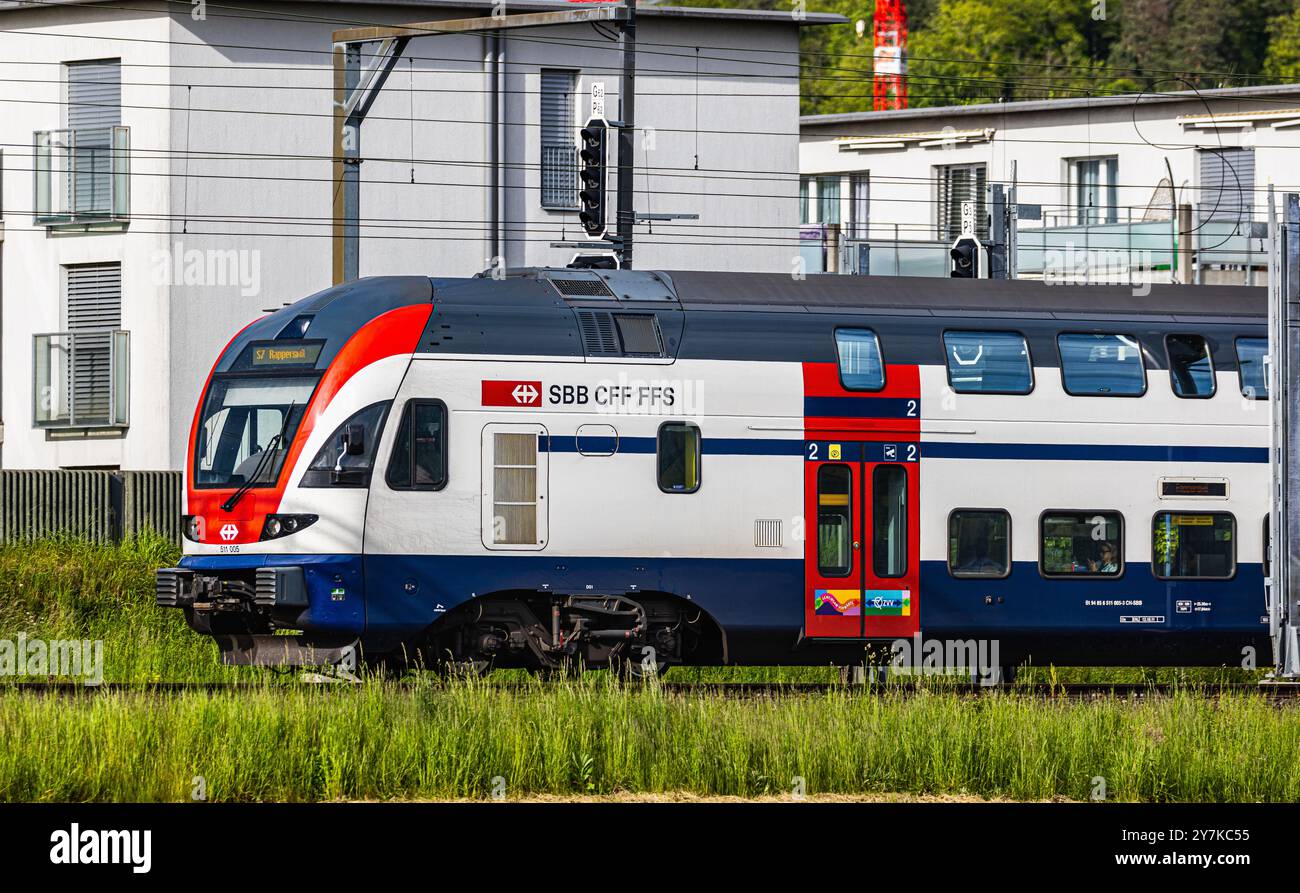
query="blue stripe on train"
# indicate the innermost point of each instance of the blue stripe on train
(1071, 452)
(1074, 452)
(709, 446)
(862, 407)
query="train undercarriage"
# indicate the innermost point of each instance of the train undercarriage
(257, 618)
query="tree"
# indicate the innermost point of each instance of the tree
(1282, 61)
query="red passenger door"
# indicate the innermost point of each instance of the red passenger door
(891, 523)
(861, 506)
(833, 543)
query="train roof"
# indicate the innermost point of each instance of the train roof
(933, 295)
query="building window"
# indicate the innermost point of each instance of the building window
(1191, 371)
(988, 362)
(1082, 544)
(679, 457)
(82, 373)
(834, 521)
(979, 543)
(1094, 365)
(861, 368)
(958, 184)
(859, 205)
(1250, 367)
(419, 460)
(889, 520)
(805, 195)
(1094, 189)
(559, 145)
(828, 199)
(82, 171)
(1227, 184)
(1191, 544)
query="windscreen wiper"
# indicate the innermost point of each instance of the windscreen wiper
(271, 446)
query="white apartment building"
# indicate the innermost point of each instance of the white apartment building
(1105, 180)
(166, 177)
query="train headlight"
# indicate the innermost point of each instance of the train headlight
(277, 526)
(192, 526)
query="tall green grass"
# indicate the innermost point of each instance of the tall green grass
(580, 735)
(590, 736)
(67, 589)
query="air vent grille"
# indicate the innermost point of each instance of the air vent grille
(598, 335)
(582, 288)
(767, 533)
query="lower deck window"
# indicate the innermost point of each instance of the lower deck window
(1082, 544)
(1193, 544)
(979, 543)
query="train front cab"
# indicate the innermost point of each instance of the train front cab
(283, 444)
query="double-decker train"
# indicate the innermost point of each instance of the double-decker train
(620, 467)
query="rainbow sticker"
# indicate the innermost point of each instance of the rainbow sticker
(837, 602)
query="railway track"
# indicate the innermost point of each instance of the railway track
(1060, 691)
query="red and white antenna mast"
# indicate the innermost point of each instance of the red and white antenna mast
(889, 57)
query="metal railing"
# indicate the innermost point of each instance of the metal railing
(82, 176)
(99, 506)
(81, 379)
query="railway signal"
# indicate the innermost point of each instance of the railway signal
(967, 258)
(591, 177)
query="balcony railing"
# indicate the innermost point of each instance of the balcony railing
(83, 175)
(81, 379)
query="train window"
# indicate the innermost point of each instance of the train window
(1250, 367)
(1193, 544)
(1191, 371)
(1098, 365)
(679, 457)
(834, 521)
(988, 362)
(861, 368)
(1081, 544)
(348, 456)
(979, 543)
(889, 520)
(419, 460)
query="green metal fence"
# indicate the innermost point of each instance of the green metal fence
(99, 506)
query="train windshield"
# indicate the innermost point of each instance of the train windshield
(246, 428)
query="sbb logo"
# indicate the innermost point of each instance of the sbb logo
(229, 532)
(512, 393)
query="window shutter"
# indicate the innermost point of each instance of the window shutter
(94, 109)
(1227, 184)
(94, 310)
(559, 145)
(959, 184)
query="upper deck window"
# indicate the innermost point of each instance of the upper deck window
(1250, 366)
(1101, 365)
(988, 362)
(246, 427)
(861, 368)
(1191, 371)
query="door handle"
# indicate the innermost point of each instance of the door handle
(856, 545)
